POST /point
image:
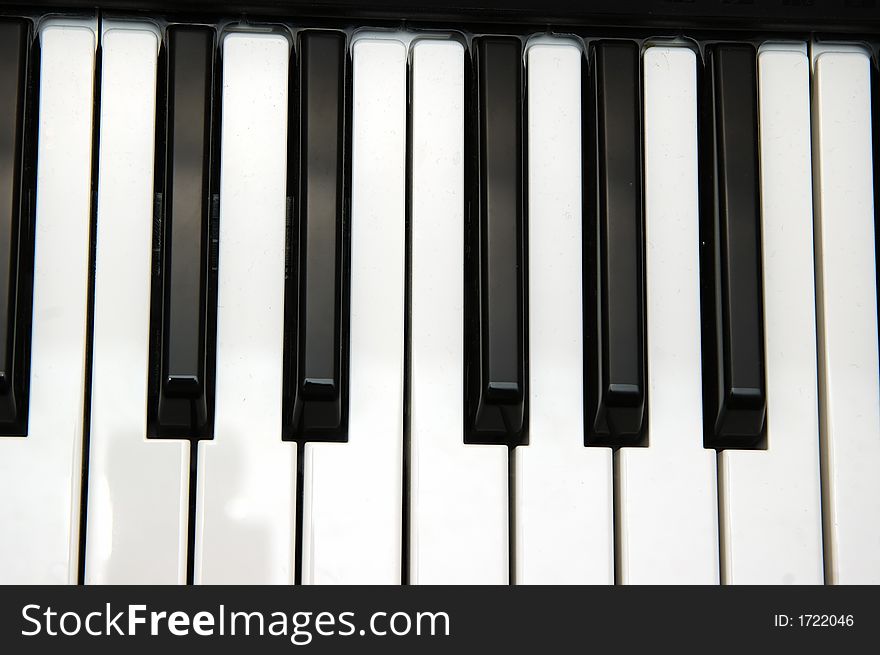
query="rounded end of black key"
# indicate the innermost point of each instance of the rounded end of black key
(318, 412)
(319, 390)
(620, 419)
(740, 420)
(503, 393)
(182, 386)
(182, 407)
(498, 415)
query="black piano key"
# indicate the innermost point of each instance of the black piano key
(495, 307)
(733, 333)
(182, 402)
(875, 125)
(318, 291)
(16, 200)
(614, 259)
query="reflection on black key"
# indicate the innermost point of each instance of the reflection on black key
(733, 335)
(182, 408)
(494, 311)
(16, 195)
(317, 290)
(614, 253)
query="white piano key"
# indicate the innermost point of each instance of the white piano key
(849, 388)
(352, 492)
(771, 499)
(458, 494)
(564, 492)
(667, 504)
(246, 486)
(40, 474)
(137, 502)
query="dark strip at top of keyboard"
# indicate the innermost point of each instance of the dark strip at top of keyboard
(784, 15)
(848, 15)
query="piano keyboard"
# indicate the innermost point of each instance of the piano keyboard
(285, 303)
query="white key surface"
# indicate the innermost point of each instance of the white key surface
(352, 492)
(458, 494)
(246, 489)
(137, 503)
(564, 492)
(847, 316)
(771, 499)
(40, 481)
(667, 504)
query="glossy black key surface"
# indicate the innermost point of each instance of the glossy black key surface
(875, 125)
(317, 292)
(733, 334)
(183, 391)
(495, 306)
(614, 330)
(15, 208)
